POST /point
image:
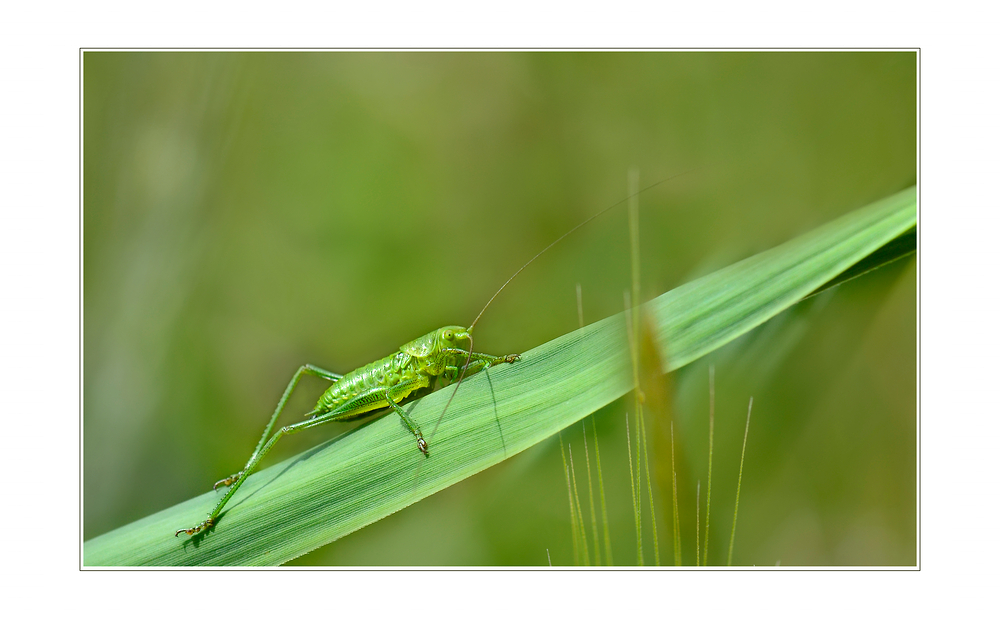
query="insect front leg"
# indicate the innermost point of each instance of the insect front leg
(477, 362)
(451, 372)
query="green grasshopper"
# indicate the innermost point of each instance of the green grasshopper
(382, 384)
(386, 383)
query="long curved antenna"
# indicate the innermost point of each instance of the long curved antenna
(578, 226)
(526, 264)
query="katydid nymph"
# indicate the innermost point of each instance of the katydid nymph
(385, 383)
(444, 354)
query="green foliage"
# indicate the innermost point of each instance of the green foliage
(327, 492)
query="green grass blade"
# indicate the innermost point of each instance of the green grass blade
(704, 315)
(302, 503)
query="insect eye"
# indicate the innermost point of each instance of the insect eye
(449, 334)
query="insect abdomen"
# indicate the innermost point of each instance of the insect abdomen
(384, 372)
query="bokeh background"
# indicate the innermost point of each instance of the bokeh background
(245, 213)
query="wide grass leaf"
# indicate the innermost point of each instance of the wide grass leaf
(302, 503)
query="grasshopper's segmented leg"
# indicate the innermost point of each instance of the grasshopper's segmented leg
(479, 361)
(235, 480)
(366, 401)
(479, 356)
(333, 415)
(304, 369)
(229, 480)
(251, 465)
(409, 422)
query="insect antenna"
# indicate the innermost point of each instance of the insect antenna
(528, 263)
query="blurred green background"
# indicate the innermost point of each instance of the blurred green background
(245, 213)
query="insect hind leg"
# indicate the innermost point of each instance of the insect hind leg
(312, 370)
(251, 465)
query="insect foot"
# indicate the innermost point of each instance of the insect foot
(228, 480)
(205, 525)
(422, 445)
(510, 358)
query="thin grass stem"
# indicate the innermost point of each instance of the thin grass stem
(604, 505)
(576, 497)
(677, 519)
(697, 525)
(590, 494)
(739, 481)
(572, 509)
(711, 438)
(636, 506)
